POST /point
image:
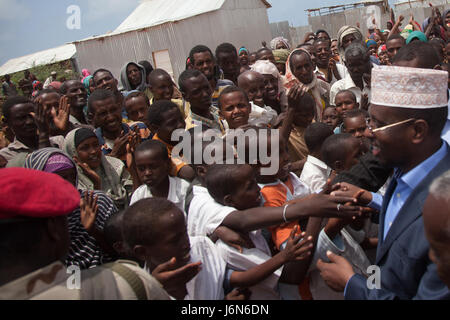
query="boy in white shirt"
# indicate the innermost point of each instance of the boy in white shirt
(315, 172)
(153, 165)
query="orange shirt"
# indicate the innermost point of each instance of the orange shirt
(177, 163)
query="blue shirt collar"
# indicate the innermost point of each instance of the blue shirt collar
(418, 173)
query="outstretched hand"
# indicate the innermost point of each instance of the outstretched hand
(61, 116)
(297, 248)
(88, 210)
(174, 279)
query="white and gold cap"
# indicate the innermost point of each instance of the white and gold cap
(413, 88)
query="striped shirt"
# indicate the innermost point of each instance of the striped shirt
(84, 250)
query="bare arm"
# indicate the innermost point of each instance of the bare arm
(316, 205)
(294, 251)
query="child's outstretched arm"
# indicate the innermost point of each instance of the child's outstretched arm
(295, 250)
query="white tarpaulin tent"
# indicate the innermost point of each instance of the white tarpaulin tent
(44, 57)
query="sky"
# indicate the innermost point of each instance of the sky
(28, 26)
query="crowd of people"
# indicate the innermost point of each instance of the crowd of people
(358, 133)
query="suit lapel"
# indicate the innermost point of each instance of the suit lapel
(411, 210)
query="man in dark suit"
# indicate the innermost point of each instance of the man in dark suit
(407, 113)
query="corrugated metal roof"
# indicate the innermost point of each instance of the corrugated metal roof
(44, 57)
(154, 12)
(151, 13)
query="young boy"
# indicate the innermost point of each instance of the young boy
(341, 151)
(137, 106)
(164, 118)
(234, 107)
(161, 85)
(253, 85)
(300, 114)
(355, 123)
(152, 165)
(156, 231)
(236, 186)
(345, 100)
(331, 117)
(315, 172)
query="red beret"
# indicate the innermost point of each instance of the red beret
(36, 194)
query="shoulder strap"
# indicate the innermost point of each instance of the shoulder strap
(130, 277)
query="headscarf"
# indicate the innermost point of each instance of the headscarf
(35, 84)
(48, 160)
(370, 42)
(345, 31)
(416, 35)
(243, 49)
(86, 81)
(275, 41)
(313, 87)
(125, 84)
(108, 171)
(280, 55)
(85, 73)
(266, 67)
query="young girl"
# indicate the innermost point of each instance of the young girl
(95, 170)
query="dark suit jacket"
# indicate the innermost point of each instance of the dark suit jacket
(406, 270)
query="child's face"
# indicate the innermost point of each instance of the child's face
(107, 115)
(255, 90)
(172, 240)
(172, 120)
(331, 117)
(344, 102)
(303, 117)
(151, 167)
(90, 152)
(162, 88)
(356, 126)
(271, 86)
(137, 109)
(355, 152)
(235, 109)
(247, 194)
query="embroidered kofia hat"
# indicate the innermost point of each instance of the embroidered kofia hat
(409, 87)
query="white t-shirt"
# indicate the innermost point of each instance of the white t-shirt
(205, 214)
(315, 174)
(208, 283)
(177, 192)
(249, 258)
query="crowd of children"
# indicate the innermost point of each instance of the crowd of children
(362, 131)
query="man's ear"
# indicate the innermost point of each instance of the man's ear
(421, 131)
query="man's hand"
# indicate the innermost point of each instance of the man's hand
(120, 146)
(335, 273)
(41, 117)
(174, 280)
(61, 116)
(344, 189)
(295, 95)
